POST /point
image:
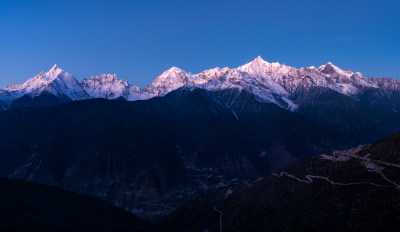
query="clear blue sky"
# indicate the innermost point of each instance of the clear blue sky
(138, 40)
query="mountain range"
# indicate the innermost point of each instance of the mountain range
(269, 82)
(150, 150)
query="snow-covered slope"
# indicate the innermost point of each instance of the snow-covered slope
(269, 82)
(108, 86)
(55, 81)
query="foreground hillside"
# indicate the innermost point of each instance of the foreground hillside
(353, 190)
(27, 206)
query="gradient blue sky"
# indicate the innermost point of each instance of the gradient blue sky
(138, 40)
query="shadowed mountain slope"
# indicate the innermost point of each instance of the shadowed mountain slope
(146, 156)
(353, 190)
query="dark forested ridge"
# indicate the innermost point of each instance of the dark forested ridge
(27, 206)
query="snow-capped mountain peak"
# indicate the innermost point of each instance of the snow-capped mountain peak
(174, 73)
(168, 81)
(256, 65)
(55, 68)
(261, 68)
(332, 70)
(259, 61)
(55, 81)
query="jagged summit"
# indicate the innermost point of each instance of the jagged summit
(260, 68)
(328, 65)
(168, 81)
(174, 69)
(54, 72)
(331, 69)
(259, 60)
(257, 64)
(55, 67)
(172, 75)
